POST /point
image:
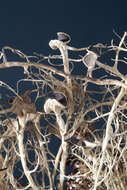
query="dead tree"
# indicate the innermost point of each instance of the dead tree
(67, 130)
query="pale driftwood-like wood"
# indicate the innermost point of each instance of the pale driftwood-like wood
(45, 135)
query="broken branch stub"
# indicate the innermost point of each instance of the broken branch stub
(53, 105)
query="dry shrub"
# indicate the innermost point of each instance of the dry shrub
(63, 126)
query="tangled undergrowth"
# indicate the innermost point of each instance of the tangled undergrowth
(63, 126)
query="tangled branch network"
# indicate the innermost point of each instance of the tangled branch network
(64, 124)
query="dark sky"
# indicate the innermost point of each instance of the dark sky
(29, 25)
